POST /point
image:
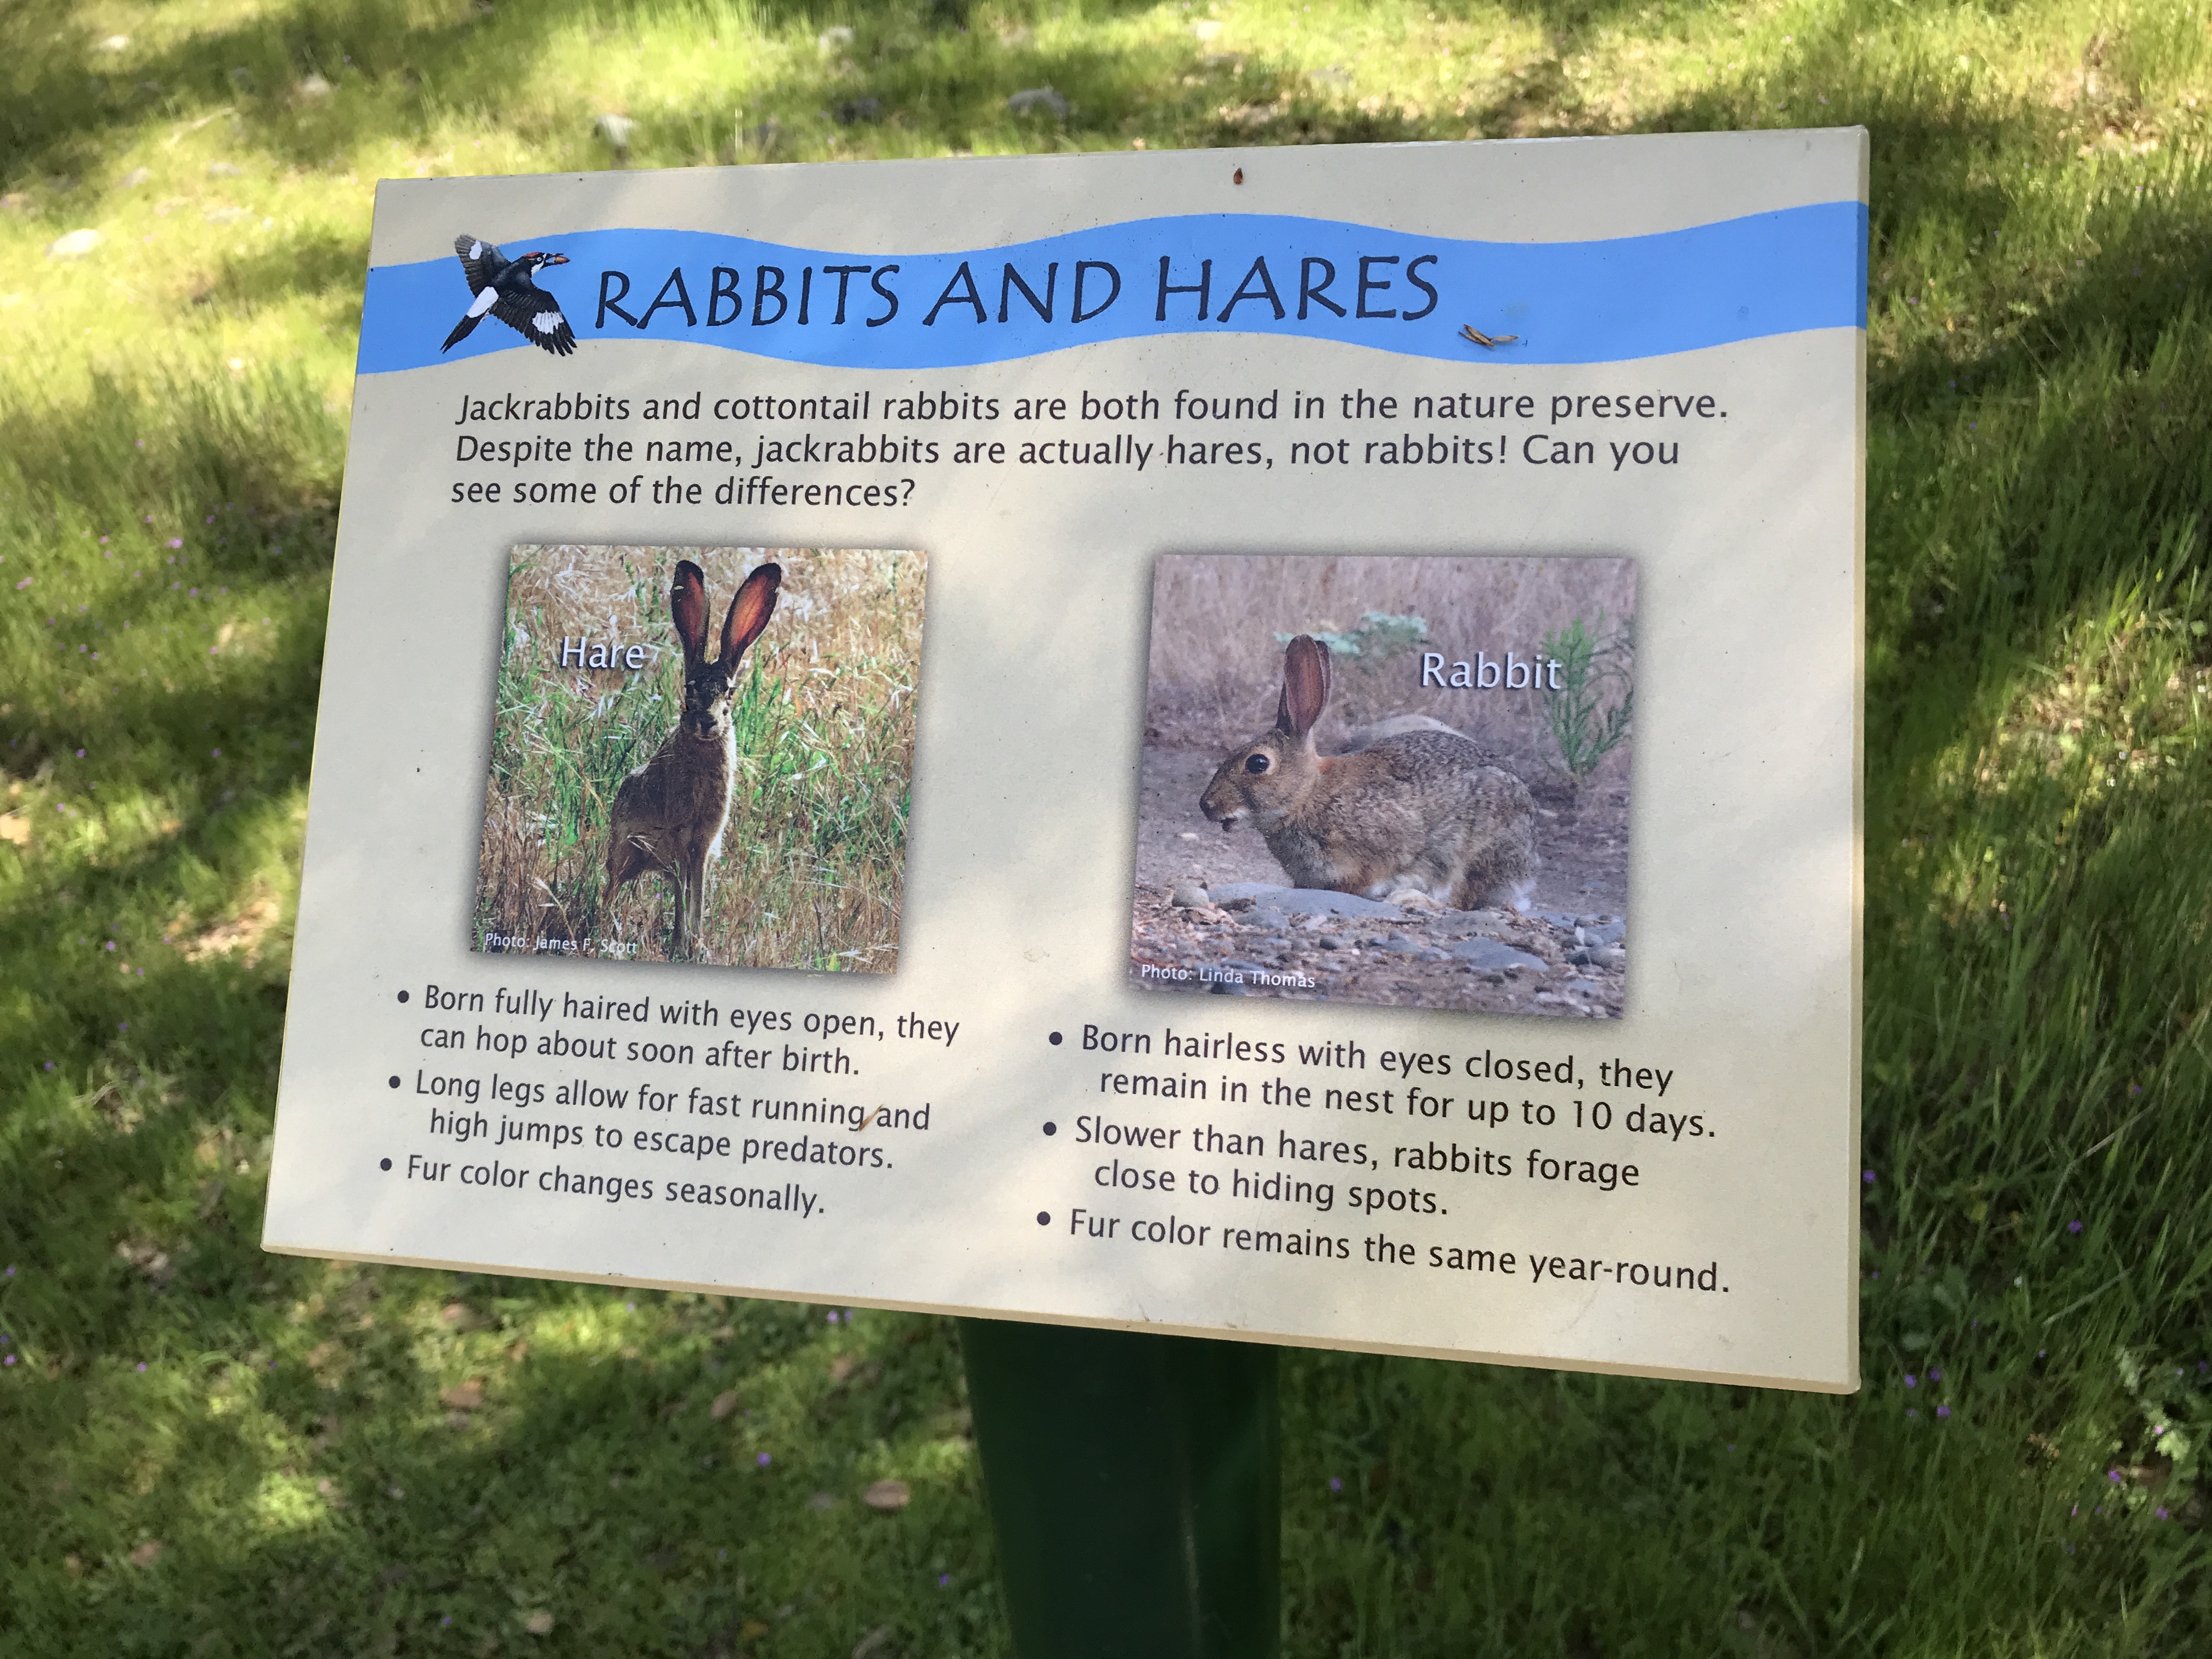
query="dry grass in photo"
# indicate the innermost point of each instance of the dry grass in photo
(812, 859)
(1218, 625)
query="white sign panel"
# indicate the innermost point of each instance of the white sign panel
(1259, 743)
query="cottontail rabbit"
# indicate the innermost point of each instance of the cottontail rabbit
(1428, 809)
(668, 813)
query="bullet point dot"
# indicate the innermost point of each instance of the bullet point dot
(1051, 1128)
(1044, 1218)
(403, 996)
(384, 1163)
(1054, 1039)
(394, 1082)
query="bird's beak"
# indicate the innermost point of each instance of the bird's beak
(556, 258)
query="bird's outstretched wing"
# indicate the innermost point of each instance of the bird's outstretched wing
(480, 261)
(535, 315)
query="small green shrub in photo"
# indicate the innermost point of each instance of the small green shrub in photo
(704, 755)
(1589, 698)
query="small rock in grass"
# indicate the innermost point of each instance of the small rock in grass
(539, 1623)
(1034, 99)
(888, 1497)
(465, 1397)
(148, 1552)
(74, 245)
(1190, 896)
(312, 88)
(725, 1403)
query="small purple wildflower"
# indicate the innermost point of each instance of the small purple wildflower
(945, 1579)
(1912, 1413)
(1935, 1377)
(762, 1460)
(142, 1364)
(9, 1360)
(1335, 1485)
(176, 541)
(1867, 1175)
(80, 753)
(1910, 1381)
(2160, 1512)
(2113, 1475)
(2073, 1226)
(1942, 1411)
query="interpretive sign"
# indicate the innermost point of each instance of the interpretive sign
(1255, 743)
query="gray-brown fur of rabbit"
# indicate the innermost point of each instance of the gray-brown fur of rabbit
(669, 813)
(1427, 809)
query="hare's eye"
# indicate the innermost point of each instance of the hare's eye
(1255, 763)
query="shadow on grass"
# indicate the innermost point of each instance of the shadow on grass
(332, 1494)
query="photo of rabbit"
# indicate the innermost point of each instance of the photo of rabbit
(1436, 815)
(666, 789)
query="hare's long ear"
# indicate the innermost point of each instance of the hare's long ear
(1305, 685)
(749, 613)
(687, 603)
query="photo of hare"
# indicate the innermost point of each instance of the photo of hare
(1400, 780)
(702, 755)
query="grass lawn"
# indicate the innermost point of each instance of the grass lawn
(213, 1452)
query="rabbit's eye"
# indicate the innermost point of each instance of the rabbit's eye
(1255, 763)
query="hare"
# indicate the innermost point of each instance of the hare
(669, 814)
(1429, 809)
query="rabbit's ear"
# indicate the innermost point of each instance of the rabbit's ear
(1305, 685)
(687, 603)
(749, 613)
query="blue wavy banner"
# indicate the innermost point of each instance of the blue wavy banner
(1612, 301)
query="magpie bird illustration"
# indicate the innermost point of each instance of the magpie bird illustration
(506, 289)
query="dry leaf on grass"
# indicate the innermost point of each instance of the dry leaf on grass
(725, 1403)
(751, 1631)
(245, 933)
(539, 1623)
(147, 1553)
(14, 828)
(874, 1639)
(466, 1396)
(888, 1497)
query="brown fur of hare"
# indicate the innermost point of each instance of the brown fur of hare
(669, 813)
(1429, 809)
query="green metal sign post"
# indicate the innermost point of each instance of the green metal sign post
(1136, 1490)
